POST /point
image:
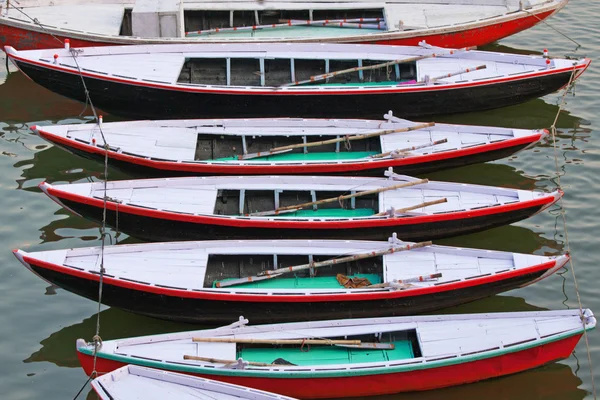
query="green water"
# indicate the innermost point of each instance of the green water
(39, 325)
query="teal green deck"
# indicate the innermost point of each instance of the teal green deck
(323, 355)
(329, 212)
(318, 282)
(315, 156)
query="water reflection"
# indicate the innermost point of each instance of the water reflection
(21, 100)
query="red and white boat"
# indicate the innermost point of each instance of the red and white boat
(447, 23)
(298, 207)
(355, 357)
(287, 145)
(216, 281)
(133, 382)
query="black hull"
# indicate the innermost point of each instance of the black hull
(414, 169)
(162, 230)
(151, 102)
(210, 311)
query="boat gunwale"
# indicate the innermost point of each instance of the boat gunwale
(551, 8)
(326, 371)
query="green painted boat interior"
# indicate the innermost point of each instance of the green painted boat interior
(329, 213)
(382, 83)
(304, 282)
(223, 267)
(405, 347)
(314, 156)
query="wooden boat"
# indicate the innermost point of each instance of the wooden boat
(294, 207)
(449, 23)
(287, 145)
(343, 358)
(216, 281)
(134, 382)
(305, 80)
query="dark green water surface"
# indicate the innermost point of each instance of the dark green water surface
(39, 326)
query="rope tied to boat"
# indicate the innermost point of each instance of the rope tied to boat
(562, 213)
(552, 27)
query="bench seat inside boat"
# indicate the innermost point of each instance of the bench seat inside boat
(330, 213)
(317, 282)
(321, 355)
(325, 156)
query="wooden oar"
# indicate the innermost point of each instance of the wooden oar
(221, 361)
(321, 77)
(282, 24)
(421, 205)
(345, 138)
(340, 198)
(407, 280)
(406, 149)
(270, 274)
(462, 71)
(343, 343)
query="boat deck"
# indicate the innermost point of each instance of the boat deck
(179, 143)
(186, 267)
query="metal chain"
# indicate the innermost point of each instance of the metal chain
(563, 215)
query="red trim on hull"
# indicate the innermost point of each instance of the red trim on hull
(28, 39)
(57, 195)
(371, 385)
(361, 90)
(290, 168)
(274, 298)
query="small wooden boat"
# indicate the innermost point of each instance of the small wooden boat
(133, 382)
(305, 80)
(287, 145)
(356, 357)
(297, 207)
(287, 280)
(449, 23)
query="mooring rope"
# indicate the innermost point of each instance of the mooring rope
(554, 29)
(97, 340)
(564, 219)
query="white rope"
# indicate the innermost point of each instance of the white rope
(563, 215)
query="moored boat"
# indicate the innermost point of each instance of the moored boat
(450, 23)
(306, 80)
(216, 281)
(343, 358)
(198, 208)
(287, 145)
(134, 382)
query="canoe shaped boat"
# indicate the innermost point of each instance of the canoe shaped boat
(448, 23)
(275, 146)
(133, 382)
(356, 357)
(294, 207)
(216, 281)
(293, 80)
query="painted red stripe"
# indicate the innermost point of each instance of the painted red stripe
(290, 168)
(282, 224)
(26, 36)
(300, 298)
(314, 92)
(371, 385)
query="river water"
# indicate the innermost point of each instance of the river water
(39, 326)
